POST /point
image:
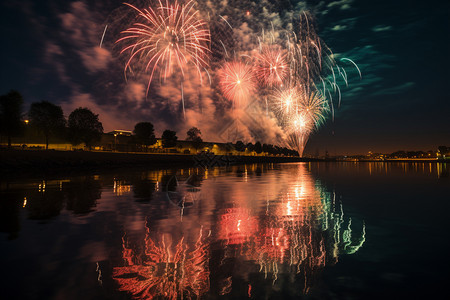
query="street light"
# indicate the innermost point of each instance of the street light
(26, 132)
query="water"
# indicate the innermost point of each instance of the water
(287, 231)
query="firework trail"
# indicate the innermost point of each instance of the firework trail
(314, 106)
(286, 101)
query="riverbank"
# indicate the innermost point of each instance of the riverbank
(394, 160)
(39, 162)
(28, 161)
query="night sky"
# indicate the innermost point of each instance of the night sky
(50, 51)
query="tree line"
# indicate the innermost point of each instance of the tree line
(83, 126)
(144, 135)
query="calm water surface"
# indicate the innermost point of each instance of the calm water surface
(287, 231)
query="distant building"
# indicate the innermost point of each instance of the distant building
(443, 152)
(118, 132)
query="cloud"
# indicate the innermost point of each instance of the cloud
(54, 55)
(372, 64)
(339, 27)
(95, 59)
(135, 91)
(379, 28)
(83, 31)
(344, 24)
(342, 4)
(110, 116)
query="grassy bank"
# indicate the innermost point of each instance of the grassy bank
(41, 160)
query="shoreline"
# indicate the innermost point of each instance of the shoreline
(49, 161)
(46, 161)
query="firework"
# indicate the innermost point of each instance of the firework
(298, 129)
(285, 101)
(285, 66)
(271, 67)
(237, 81)
(300, 123)
(314, 107)
(169, 37)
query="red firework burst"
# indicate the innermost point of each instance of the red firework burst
(271, 66)
(237, 81)
(168, 37)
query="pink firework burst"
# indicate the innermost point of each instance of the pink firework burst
(168, 37)
(271, 67)
(237, 81)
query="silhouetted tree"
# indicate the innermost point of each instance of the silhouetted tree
(169, 138)
(276, 150)
(48, 118)
(270, 149)
(145, 133)
(195, 135)
(84, 126)
(399, 154)
(443, 150)
(240, 146)
(257, 148)
(285, 151)
(250, 147)
(11, 115)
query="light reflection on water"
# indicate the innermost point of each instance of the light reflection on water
(286, 224)
(246, 231)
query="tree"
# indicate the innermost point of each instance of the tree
(48, 118)
(194, 135)
(169, 138)
(145, 133)
(84, 126)
(11, 115)
(443, 150)
(270, 149)
(257, 148)
(240, 146)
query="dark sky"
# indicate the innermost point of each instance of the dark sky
(401, 103)
(402, 49)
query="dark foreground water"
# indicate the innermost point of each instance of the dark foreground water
(289, 231)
